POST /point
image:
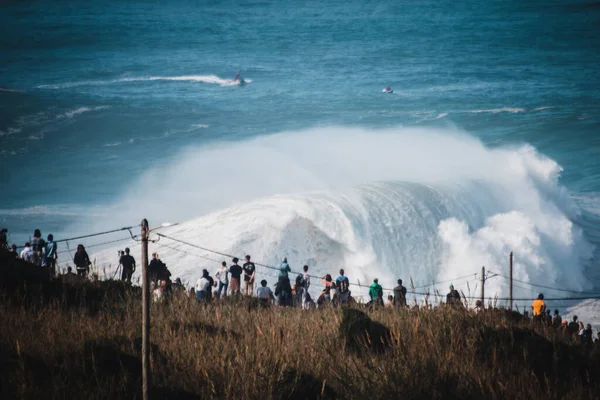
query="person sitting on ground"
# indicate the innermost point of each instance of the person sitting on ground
(178, 286)
(573, 326)
(284, 268)
(27, 253)
(390, 302)
(342, 284)
(13, 251)
(302, 285)
(249, 273)
(128, 264)
(82, 261)
(49, 255)
(400, 295)
(325, 297)
(556, 319)
(69, 276)
(161, 293)
(236, 272)
(376, 292)
(453, 297)
(203, 287)
(538, 307)
(222, 276)
(265, 294)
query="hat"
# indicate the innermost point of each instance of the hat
(451, 287)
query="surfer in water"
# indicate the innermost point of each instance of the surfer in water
(239, 79)
(388, 90)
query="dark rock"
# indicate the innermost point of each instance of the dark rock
(361, 333)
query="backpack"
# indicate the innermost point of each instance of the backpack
(300, 282)
(343, 286)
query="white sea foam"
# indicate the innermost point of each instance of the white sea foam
(431, 205)
(80, 110)
(10, 131)
(512, 110)
(209, 79)
(543, 108)
(441, 115)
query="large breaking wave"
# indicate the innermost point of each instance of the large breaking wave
(425, 204)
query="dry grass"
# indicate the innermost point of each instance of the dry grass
(59, 348)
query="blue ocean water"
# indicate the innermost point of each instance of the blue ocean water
(95, 95)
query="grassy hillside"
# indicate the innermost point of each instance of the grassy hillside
(83, 340)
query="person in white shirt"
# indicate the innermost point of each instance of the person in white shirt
(265, 294)
(27, 253)
(302, 285)
(202, 287)
(222, 276)
(160, 293)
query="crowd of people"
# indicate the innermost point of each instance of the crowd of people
(287, 292)
(36, 250)
(228, 280)
(576, 329)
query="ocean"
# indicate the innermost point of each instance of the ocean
(111, 112)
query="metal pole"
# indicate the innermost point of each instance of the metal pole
(146, 379)
(511, 281)
(482, 288)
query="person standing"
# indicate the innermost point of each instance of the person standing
(236, 272)
(4, 239)
(376, 292)
(128, 264)
(82, 261)
(400, 295)
(453, 297)
(283, 292)
(556, 319)
(222, 276)
(203, 287)
(249, 273)
(284, 268)
(302, 285)
(539, 308)
(49, 255)
(37, 244)
(342, 284)
(27, 253)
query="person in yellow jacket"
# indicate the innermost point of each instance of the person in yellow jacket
(539, 308)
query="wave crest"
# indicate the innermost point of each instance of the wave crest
(430, 205)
